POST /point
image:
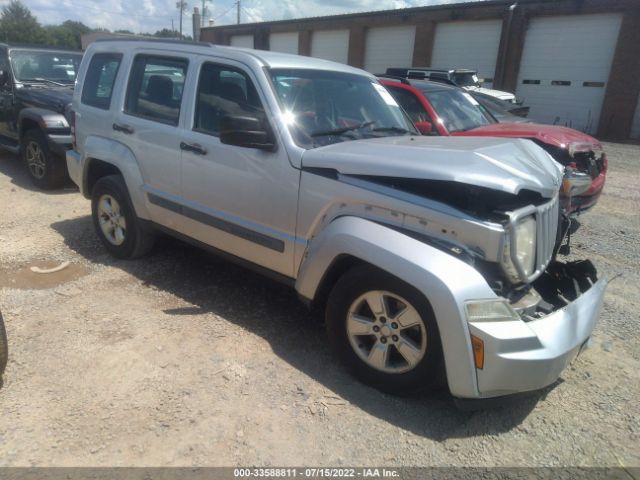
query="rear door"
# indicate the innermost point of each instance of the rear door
(150, 124)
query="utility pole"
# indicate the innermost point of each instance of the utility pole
(239, 7)
(204, 11)
(181, 5)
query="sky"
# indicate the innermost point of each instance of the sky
(151, 15)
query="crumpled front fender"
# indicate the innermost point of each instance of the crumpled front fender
(445, 281)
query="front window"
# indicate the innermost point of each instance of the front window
(45, 67)
(323, 107)
(466, 79)
(458, 110)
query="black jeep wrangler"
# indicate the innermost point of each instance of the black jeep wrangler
(36, 87)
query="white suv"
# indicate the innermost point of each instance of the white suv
(426, 252)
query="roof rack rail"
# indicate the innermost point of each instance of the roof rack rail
(155, 40)
(393, 77)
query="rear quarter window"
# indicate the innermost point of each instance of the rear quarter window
(99, 80)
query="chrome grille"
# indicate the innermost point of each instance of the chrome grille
(547, 229)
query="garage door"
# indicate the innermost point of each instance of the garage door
(635, 127)
(565, 67)
(284, 42)
(468, 45)
(331, 45)
(389, 47)
(245, 41)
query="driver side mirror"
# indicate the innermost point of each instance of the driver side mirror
(425, 128)
(4, 77)
(246, 131)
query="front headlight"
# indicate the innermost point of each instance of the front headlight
(522, 243)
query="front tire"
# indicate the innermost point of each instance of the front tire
(46, 170)
(115, 221)
(4, 349)
(384, 331)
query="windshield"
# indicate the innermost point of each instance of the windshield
(323, 107)
(467, 79)
(41, 66)
(458, 110)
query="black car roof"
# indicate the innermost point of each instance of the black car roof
(434, 69)
(45, 48)
(424, 85)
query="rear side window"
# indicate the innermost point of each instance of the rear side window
(155, 88)
(98, 83)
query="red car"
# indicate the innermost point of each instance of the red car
(440, 109)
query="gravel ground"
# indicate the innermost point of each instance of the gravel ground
(184, 359)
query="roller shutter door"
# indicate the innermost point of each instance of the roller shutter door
(468, 45)
(245, 41)
(330, 45)
(565, 68)
(389, 47)
(284, 42)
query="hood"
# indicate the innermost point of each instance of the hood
(507, 165)
(494, 93)
(561, 137)
(55, 99)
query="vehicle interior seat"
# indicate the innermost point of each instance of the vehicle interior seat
(160, 90)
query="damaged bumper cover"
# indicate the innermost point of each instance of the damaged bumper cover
(530, 352)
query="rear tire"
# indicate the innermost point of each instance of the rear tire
(46, 170)
(122, 233)
(384, 331)
(4, 348)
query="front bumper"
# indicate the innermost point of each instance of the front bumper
(521, 356)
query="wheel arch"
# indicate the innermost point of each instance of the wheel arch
(33, 117)
(445, 281)
(103, 156)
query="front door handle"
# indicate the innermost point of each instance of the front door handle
(193, 147)
(119, 127)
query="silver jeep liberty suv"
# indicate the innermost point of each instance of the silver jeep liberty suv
(428, 255)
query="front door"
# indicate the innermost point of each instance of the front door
(240, 200)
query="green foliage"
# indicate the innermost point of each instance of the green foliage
(167, 33)
(18, 25)
(66, 35)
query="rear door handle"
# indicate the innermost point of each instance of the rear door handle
(193, 147)
(118, 127)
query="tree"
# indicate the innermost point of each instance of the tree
(167, 33)
(127, 32)
(68, 34)
(17, 24)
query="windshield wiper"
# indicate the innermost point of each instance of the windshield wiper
(46, 80)
(340, 131)
(391, 129)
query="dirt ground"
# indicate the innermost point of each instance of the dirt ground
(183, 359)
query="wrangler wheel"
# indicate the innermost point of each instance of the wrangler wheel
(46, 170)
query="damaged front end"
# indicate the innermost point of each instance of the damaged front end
(547, 308)
(534, 338)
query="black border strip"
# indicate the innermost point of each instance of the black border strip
(215, 222)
